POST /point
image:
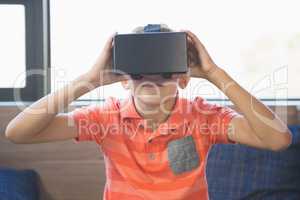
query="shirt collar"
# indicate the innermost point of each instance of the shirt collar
(128, 109)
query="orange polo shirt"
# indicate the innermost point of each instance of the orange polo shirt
(168, 163)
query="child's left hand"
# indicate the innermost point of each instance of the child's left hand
(200, 63)
(256, 126)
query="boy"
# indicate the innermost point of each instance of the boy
(154, 143)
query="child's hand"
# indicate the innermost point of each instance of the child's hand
(200, 63)
(101, 72)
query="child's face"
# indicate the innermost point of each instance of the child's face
(154, 89)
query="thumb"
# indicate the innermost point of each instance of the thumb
(109, 42)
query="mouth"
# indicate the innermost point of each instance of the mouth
(148, 85)
(154, 82)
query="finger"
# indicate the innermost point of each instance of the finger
(192, 35)
(193, 55)
(188, 34)
(195, 39)
(198, 44)
(113, 43)
(189, 38)
(107, 49)
(190, 41)
(109, 42)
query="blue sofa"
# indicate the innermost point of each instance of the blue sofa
(234, 172)
(18, 184)
(239, 172)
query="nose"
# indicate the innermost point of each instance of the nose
(154, 79)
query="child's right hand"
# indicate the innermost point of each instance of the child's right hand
(101, 72)
(42, 122)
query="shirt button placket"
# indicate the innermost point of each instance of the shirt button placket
(151, 156)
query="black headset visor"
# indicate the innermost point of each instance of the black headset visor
(149, 53)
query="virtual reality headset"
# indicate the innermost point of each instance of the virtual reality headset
(149, 53)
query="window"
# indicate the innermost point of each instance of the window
(12, 40)
(256, 42)
(23, 51)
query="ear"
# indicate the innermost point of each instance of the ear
(183, 80)
(126, 84)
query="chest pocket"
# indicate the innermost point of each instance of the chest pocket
(183, 155)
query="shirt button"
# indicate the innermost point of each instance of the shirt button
(151, 156)
(141, 126)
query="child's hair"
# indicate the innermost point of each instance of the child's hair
(163, 28)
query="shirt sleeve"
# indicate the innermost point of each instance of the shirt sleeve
(218, 120)
(89, 123)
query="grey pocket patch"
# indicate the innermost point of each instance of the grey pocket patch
(183, 155)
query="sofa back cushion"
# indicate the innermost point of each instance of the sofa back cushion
(237, 172)
(18, 184)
